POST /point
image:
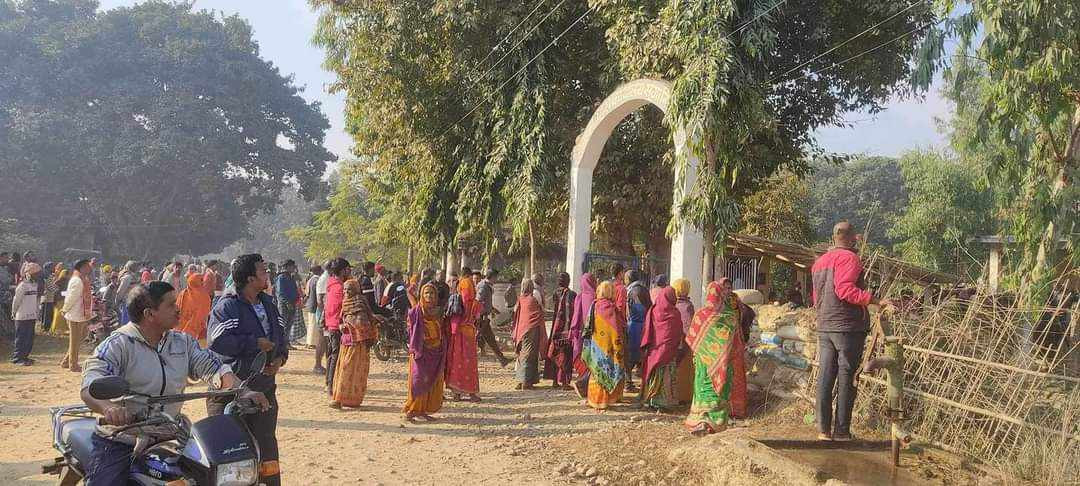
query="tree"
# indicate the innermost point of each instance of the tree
(145, 131)
(269, 231)
(868, 192)
(1021, 60)
(780, 210)
(948, 206)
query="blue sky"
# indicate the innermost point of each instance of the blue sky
(283, 30)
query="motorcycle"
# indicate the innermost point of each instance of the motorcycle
(393, 337)
(169, 450)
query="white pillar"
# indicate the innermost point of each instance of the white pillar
(451, 263)
(687, 253)
(577, 238)
(993, 277)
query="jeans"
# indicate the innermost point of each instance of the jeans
(24, 340)
(110, 462)
(333, 343)
(263, 425)
(288, 314)
(839, 356)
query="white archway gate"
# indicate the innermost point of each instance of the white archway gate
(686, 247)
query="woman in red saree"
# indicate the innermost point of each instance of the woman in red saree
(719, 362)
(462, 373)
(559, 354)
(529, 336)
(427, 353)
(358, 333)
(661, 343)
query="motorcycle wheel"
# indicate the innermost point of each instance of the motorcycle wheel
(380, 351)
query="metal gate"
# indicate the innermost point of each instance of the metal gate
(743, 272)
(599, 262)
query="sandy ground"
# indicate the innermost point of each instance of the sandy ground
(543, 436)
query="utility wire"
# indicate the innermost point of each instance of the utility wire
(515, 46)
(865, 52)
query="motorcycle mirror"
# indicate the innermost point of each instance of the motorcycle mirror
(259, 363)
(109, 387)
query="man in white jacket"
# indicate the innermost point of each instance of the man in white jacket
(79, 311)
(24, 311)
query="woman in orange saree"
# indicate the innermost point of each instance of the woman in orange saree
(462, 372)
(427, 352)
(194, 305)
(358, 333)
(717, 345)
(603, 349)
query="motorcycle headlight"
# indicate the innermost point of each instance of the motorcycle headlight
(239, 473)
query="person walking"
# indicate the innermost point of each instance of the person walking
(335, 297)
(684, 377)
(427, 356)
(78, 311)
(638, 305)
(462, 371)
(286, 293)
(128, 278)
(841, 300)
(48, 295)
(194, 305)
(358, 333)
(529, 335)
(559, 355)
(717, 347)
(321, 286)
(485, 294)
(604, 350)
(661, 342)
(25, 307)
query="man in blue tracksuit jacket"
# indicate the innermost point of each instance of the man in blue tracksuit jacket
(244, 322)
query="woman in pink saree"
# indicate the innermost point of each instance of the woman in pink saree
(462, 374)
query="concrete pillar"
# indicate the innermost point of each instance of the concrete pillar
(993, 273)
(451, 263)
(464, 261)
(577, 238)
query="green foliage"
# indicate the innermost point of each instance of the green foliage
(269, 235)
(780, 210)
(869, 192)
(1016, 80)
(145, 131)
(948, 206)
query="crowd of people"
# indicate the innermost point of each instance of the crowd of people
(213, 323)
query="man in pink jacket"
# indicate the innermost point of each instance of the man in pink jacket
(841, 298)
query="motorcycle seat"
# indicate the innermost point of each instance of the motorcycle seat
(78, 435)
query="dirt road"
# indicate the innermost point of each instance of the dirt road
(513, 437)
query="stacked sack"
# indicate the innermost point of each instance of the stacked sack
(784, 343)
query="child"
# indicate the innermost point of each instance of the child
(24, 309)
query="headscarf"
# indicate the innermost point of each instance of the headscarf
(470, 307)
(604, 341)
(661, 281)
(663, 332)
(682, 288)
(194, 305)
(426, 364)
(716, 342)
(529, 313)
(356, 317)
(582, 305)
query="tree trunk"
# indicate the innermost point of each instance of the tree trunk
(1046, 258)
(532, 250)
(409, 260)
(709, 237)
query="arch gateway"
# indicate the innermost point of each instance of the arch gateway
(686, 247)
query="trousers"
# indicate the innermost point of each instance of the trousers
(839, 355)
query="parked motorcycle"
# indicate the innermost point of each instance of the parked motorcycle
(393, 338)
(215, 451)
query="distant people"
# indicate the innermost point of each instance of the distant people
(528, 336)
(427, 356)
(661, 341)
(485, 294)
(396, 297)
(147, 275)
(358, 334)
(194, 305)
(173, 275)
(60, 283)
(659, 283)
(718, 353)
(380, 282)
(618, 277)
(311, 312)
(841, 299)
(604, 350)
(321, 287)
(48, 295)
(638, 306)
(367, 283)
(335, 297)
(128, 279)
(78, 311)
(794, 295)
(559, 355)
(462, 368)
(287, 295)
(539, 290)
(7, 288)
(443, 287)
(25, 307)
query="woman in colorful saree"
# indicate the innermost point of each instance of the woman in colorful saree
(559, 365)
(529, 336)
(427, 350)
(582, 306)
(604, 349)
(462, 373)
(661, 342)
(717, 345)
(358, 333)
(684, 377)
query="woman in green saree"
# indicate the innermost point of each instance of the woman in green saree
(717, 345)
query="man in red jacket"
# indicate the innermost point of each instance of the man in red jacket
(841, 298)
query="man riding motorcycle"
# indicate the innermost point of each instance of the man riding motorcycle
(154, 360)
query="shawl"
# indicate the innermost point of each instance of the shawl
(662, 335)
(604, 344)
(470, 307)
(426, 364)
(357, 320)
(564, 300)
(194, 304)
(686, 312)
(529, 315)
(582, 305)
(716, 354)
(620, 296)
